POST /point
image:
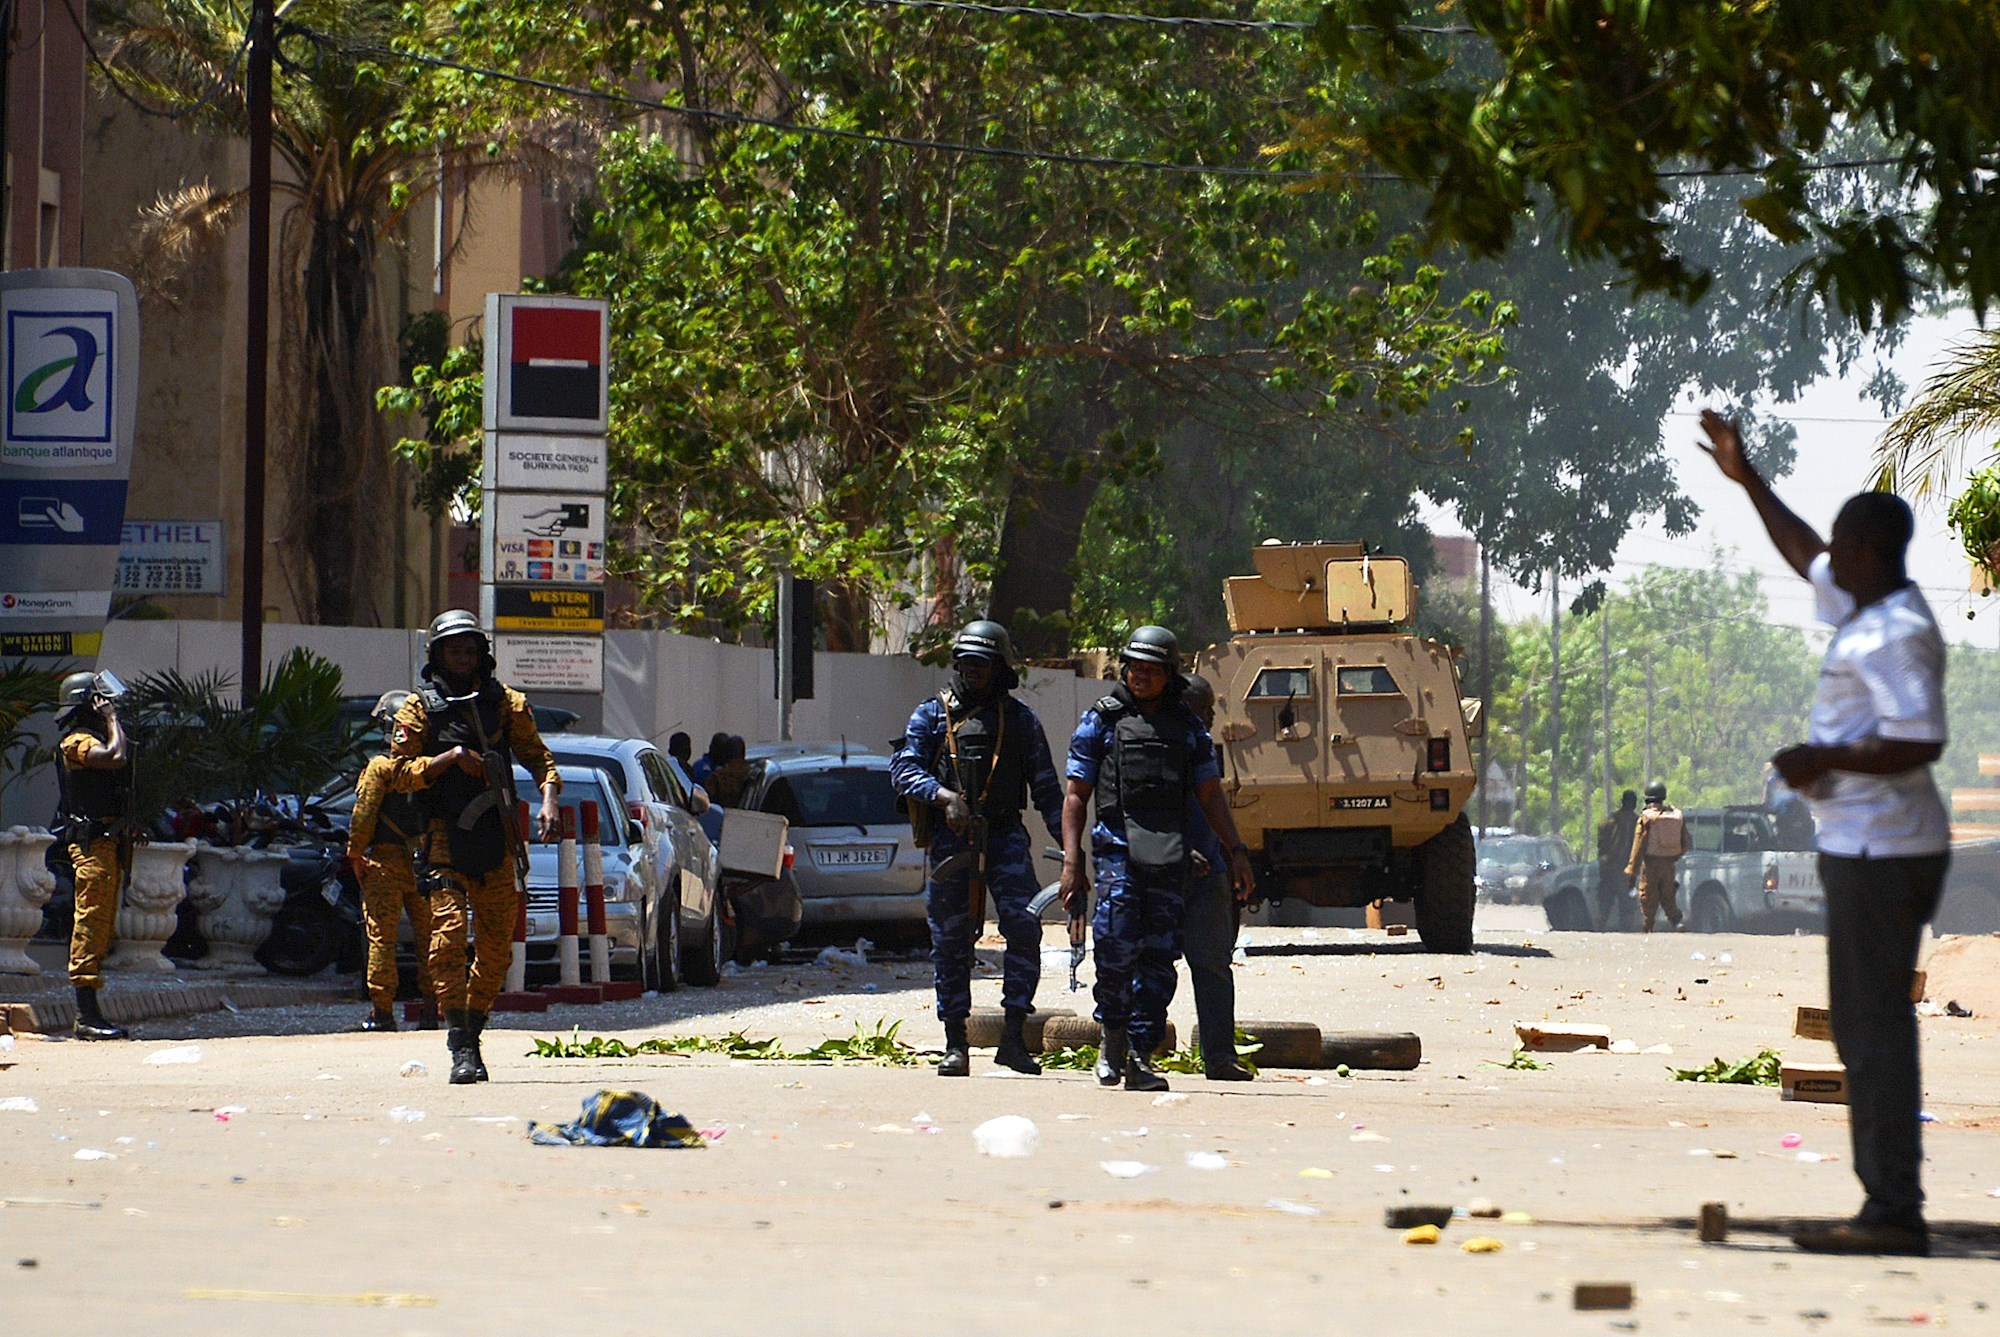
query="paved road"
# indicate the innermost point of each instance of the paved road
(852, 1199)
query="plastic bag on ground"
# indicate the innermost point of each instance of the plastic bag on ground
(1008, 1136)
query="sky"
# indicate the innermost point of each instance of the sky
(1837, 431)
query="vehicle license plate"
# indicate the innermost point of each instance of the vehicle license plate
(1374, 801)
(852, 856)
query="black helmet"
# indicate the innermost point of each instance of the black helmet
(450, 625)
(75, 694)
(1153, 645)
(983, 639)
(1198, 689)
(1656, 791)
(386, 706)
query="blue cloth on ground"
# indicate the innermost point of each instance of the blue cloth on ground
(619, 1119)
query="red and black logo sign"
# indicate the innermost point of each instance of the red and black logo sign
(556, 371)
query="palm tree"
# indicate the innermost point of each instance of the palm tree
(349, 170)
(1960, 403)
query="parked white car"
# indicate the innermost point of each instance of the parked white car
(854, 862)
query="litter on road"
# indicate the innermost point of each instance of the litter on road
(178, 1054)
(1126, 1169)
(619, 1119)
(1008, 1137)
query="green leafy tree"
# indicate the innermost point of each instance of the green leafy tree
(875, 364)
(1596, 105)
(351, 163)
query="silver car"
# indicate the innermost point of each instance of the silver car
(854, 861)
(637, 898)
(653, 790)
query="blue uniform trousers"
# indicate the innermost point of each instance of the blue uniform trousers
(1010, 886)
(1138, 932)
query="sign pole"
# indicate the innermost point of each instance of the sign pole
(256, 347)
(785, 687)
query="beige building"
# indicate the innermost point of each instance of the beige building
(477, 236)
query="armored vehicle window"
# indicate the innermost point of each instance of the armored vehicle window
(1364, 680)
(1281, 683)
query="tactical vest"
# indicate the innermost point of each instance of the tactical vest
(1142, 784)
(398, 821)
(1663, 834)
(93, 795)
(991, 768)
(469, 810)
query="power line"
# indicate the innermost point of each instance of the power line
(823, 131)
(1153, 20)
(222, 81)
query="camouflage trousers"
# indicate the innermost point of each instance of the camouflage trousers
(1656, 892)
(388, 892)
(1010, 886)
(1138, 936)
(490, 902)
(99, 876)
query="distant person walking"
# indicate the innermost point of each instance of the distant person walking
(1877, 725)
(1659, 839)
(1614, 849)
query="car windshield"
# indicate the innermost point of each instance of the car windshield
(1517, 854)
(575, 793)
(844, 796)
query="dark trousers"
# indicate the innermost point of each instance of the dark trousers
(1208, 939)
(1875, 913)
(1010, 886)
(1137, 935)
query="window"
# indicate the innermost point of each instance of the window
(1281, 683)
(850, 796)
(1364, 680)
(655, 769)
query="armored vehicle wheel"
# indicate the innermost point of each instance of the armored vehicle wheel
(1444, 889)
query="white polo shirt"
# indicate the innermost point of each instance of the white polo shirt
(1883, 677)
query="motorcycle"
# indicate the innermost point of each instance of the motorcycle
(319, 925)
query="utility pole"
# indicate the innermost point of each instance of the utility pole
(1649, 717)
(1604, 659)
(785, 635)
(1485, 670)
(1555, 700)
(256, 361)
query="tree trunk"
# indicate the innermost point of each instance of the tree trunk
(1036, 573)
(339, 419)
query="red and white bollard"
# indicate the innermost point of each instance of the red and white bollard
(593, 897)
(517, 967)
(569, 975)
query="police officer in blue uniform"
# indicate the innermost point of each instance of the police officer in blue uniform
(972, 757)
(1143, 755)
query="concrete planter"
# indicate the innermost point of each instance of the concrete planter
(146, 911)
(238, 893)
(25, 887)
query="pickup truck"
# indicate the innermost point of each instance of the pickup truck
(1741, 875)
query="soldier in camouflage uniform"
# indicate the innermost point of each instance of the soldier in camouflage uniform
(386, 826)
(95, 758)
(975, 752)
(440, 740)
(1658, 842)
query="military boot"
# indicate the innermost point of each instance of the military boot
(1140, 1075)
(475, 1023)
(381, 1019)
(464, 1064)
(957, 1060)
(1111, 1053)
(1013, 1051)
(90, 1023)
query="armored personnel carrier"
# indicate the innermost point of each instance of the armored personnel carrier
(1344, 737)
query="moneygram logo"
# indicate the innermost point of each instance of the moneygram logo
(59, 388)
(56, 604)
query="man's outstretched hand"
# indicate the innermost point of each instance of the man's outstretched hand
(1726, 447)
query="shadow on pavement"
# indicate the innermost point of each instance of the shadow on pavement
(1949, 1239)
(1386, 949)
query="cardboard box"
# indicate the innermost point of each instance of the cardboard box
(1813, 1023)
(1819, 1083)
(753, 843)
(1542, 1038)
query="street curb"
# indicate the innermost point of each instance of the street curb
(57, 1016)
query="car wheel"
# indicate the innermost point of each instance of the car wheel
(666, 966)
(1710, 912)
(704, 966)
(1567, 912)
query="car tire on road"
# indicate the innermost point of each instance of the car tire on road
(1710, 911)
(1444, 889)
(706, 957)
(1070, 1032)
(1285, 1044)
(666, 963)
(1387, 1051)
(1567, 911)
